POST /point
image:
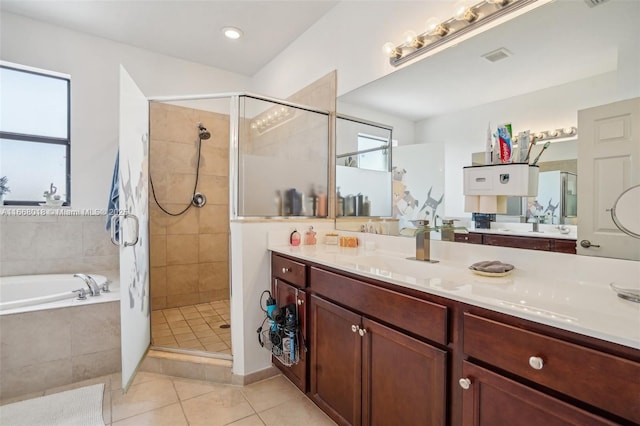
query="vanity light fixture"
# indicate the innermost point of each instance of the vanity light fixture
(468, 16)
(271, 119)
(552, 135)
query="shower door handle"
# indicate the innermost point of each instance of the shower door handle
(119, 240)
(112, 229)
(136, 229)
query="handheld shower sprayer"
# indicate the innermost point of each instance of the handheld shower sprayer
(203, 133)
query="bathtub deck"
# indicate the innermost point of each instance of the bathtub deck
(195, 327)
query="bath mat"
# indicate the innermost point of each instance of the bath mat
(81, 407)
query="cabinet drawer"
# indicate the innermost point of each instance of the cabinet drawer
(417, 316)
(468, 238)
(532, 243)
(596, 378)
(289, 270)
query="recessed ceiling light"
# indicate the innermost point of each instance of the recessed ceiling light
(232, 32)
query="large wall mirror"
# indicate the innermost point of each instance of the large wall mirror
(559, 58)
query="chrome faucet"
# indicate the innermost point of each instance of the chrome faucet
(536, 224)
(94, 290)
(423, 241)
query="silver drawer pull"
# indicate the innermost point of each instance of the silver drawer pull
(355, 328)
(300, 302)
(285, 270)
(536, 362)
(362, 332)
(464, 383)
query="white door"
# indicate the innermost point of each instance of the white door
(608, 164)
(133, 226)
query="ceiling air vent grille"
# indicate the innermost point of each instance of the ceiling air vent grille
(497, 55)
(594, 3)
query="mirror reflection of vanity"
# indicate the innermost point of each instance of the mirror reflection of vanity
(560, 58)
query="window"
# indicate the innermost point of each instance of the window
(35, 140)
(374, 152)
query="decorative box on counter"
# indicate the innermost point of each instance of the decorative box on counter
(515, 179)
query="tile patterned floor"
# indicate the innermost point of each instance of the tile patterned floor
(160, 400)
(195, 327)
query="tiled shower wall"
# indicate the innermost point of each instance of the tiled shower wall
(54, 244)
(189, 253)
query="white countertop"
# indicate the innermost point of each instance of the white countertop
(563, 301)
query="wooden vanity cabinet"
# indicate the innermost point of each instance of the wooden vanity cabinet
(287, 287)
(364, 372)
(381, 355)
(490, 399)
(558, 245)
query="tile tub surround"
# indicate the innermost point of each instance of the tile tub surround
(54, 244)
(189, 254)
(56, 347)
(164, 400)
(561, 290)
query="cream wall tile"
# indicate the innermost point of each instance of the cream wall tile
(182, 279)
(158, 281)
(214, 218)
(214, 247)
(182, 249)
(157, 250)
(183, 299)
(215, 159)
(214, 276)
(216, 188)
(186, 223)
(96, 240)
(86, 366)
(95, 328)
(35, 377)
(34, 338)
(158, 302)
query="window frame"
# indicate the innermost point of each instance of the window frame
(43, 139)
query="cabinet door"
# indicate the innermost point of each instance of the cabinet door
(335, 347)
(490, 399)
(285, 294)
(403, 379)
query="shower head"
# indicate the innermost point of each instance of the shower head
(203, 133)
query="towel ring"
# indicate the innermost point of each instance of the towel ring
(628, 201)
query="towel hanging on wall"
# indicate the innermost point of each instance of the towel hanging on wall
(113, 205)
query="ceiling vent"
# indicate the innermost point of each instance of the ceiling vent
(497, 55)
(594, 3)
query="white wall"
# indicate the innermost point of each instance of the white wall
(403, 129)
(93, 65)
(547, 109)
(349, 39)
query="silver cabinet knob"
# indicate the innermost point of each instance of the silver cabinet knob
(587, 244)
(536, 362)
(285, 270)
(300, 302)
(362, 332)
(354, 328)
(465, 383)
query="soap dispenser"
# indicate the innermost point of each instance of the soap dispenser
(310, 237)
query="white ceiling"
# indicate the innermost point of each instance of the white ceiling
(189, 30)
(557, 43)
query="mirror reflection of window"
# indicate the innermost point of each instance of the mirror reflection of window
(374, 152)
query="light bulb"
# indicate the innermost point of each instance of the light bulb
(569, 130)
(411, 39)
(391, 50)
(254, 125)
(463, 12)
(498, 2)
(553, 133)
(540, 135)
(431, 25)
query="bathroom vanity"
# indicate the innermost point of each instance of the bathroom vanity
(385, 347)
(559, 245)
